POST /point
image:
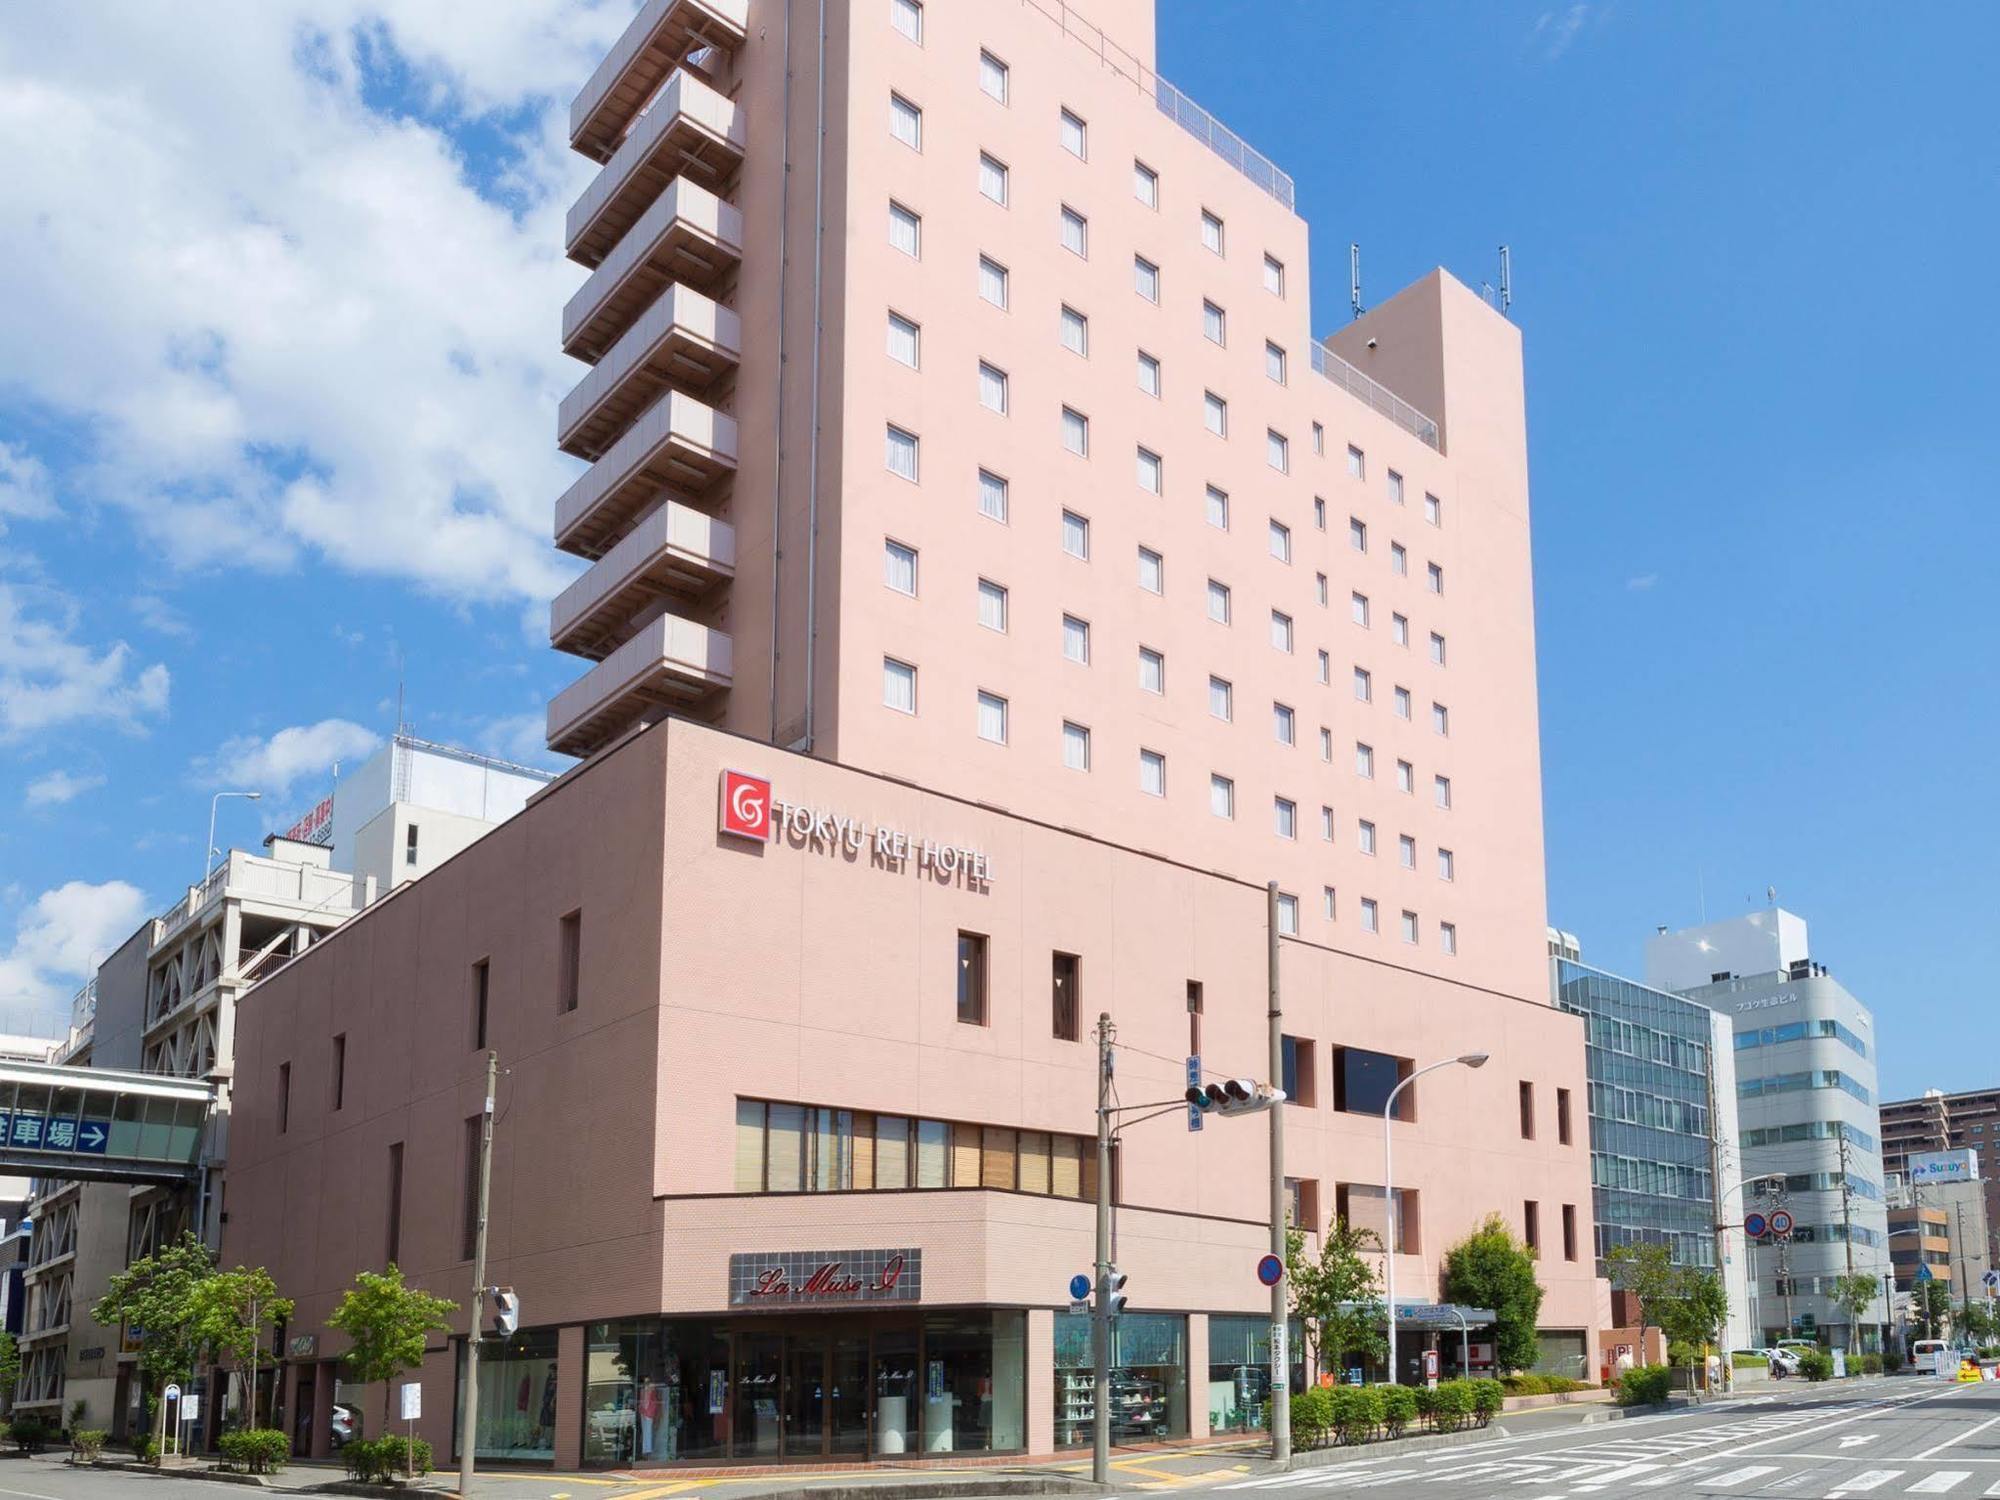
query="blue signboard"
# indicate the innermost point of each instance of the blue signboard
(1194, 1082)
(1079, 1287)
(54, 1133)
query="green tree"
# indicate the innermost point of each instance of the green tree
(1978, 1322)
(387, 1325)
(1685, 1303)
(162, 1294)
(1490, 1268)
(1336, 1295)
(10, 1364)
(237, 1306)
(1649, 1274)
(1930, 1305)
(1854, 1295)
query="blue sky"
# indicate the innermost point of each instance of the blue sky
(258, 462)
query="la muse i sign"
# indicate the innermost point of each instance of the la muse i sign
(746, 808)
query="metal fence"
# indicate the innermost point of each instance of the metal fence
(1373, 393)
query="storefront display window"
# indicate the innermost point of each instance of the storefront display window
(1148, 1379)
(654, 1392)
(517, 1397)
(1239, 1370)
(973, 1387)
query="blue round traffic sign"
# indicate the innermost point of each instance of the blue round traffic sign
(1754, 1225)
(1079, 1287)
(1270, 1270)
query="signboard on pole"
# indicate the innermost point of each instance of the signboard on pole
(191, 1407)
(1944, 1166)
(412, 1395)
(1280, 1362)
(1781, 1222)
(1755, 1225)
(1194, 1082)
(1270, 1270)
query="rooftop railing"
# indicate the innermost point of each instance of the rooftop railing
(1373, 393)
(1172, 103)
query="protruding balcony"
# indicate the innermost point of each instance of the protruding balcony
(674, 551)
(688, 236)
(683, 340)
(660, 36)
(669, 664)
(689, 131)
(677, 444)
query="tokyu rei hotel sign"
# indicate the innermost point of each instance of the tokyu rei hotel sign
(748, 809)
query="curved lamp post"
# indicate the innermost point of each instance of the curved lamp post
(208, 849)
(1470, 1060)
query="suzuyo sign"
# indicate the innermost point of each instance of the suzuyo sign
(748, 807)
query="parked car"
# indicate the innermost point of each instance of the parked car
(346, 1422)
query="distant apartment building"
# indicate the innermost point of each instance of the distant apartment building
(1937, 1218)
(1806, 1090)
(1935, 1121)
(1663, 1122)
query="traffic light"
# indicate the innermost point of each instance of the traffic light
(1114, 1291)
(506, 1309)
(1234, 1096)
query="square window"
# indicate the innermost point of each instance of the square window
(900, 454)
(1076, 539)
(1274, 367)
(1218, 611)
(993, 281)
(993, 718)
(1222, 800)
(1149, 382)
(1152, 671)
(1406, 777)
(903, 336)
(1440, 724)
(1357, 608)
(1288, 926)
(1076, 640)
(1214, 325)
(1284, 724)
(1075, 136)
(1281, 548)
(1281, 633)
(1215, 417)
(1448, 941)
(1433, 513)
(1278, 454)
(1364, 766)
(1409, 936)
(1326, 823)
(907, 16)
(1406, 851)
(1365, 836)
(1152, 571)
(1152, 478)
(1399, 559)
(1357, 538)
(1076, 238)
(993, 389)
(1364, 692)
(906, 122)
(1399, 632)
(1217, 514)
(1357, 468)
(1152, 773)
(899, 685)
(1442, 787)
(1221, 699)
(1146, 186)
(1401, 699)
(1076, 338)
(1285, 821)
(1274, 283)
(1371, 921)
(993, 178)
(993, 500)
(899, 567)
(1146, 280)
(1076, 748)
(1437, 655)
(1434, 579)
(993, 80)
(906, 230)
(1076, 438)
(1447, 870)
(1395, 488)
(993, 605)
(1211, 239)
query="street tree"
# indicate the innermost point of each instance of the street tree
(1685, 1303)
(159, 1299)
(1930, 1302)
(1854, 1294)
(10, 1364)
(1336, 1295)
(387, 1325)
(1490, 1268)
(238, 1306)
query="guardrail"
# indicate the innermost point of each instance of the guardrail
(1373, 393)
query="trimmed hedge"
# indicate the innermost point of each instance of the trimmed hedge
(86, 1444)
(1647, 1385)
(255, 1450)
(1399, 1408)
(30, 1433)
(1312, 1417)
(1815, 1364)
(372, 1460)
(1528, 1383)
(1357, 1412)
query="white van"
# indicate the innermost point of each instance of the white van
(1932, 1357)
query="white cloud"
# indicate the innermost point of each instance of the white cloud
(270, 766)
(61, 938)
(161, 617)
(24, 487)
(1638, 584)
(290, 321)
(522, 738)
(1556, 30)
(48, 679)
(58, 787)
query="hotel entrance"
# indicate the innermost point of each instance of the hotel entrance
(804, 1389)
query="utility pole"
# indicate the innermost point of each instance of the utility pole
(1281, 1364)
(1715, 1217)
(1847, 1234)
(1100, 1313)
(1958, 1254)
(256, 1336)
(469, 1423)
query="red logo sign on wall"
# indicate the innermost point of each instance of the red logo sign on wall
(745, 806)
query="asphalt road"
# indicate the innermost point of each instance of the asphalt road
(1905, 1437)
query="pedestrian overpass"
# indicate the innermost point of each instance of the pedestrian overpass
(101, 1125)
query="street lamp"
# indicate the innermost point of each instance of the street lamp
(1470, 1060)
(208, 849)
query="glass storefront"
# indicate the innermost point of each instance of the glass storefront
(1239, 1369)
(663, 1391)
(517, 1397)
(1148, 1378)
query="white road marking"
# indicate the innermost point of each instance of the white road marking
(31, 1495)
(1948, 1442)
(1940, 1483)
(1862, 1483)
(1872, 1409)
(1734, 1476)
(1991, 1489)
(1852, 1440)
(1630, 1471)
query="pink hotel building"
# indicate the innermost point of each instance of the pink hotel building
(965, 473)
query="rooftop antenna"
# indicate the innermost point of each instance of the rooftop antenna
(1506, 278)
(1354, 277)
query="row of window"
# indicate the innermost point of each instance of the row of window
(1809, 1130)
(1817, 1078)
(1799, 1031)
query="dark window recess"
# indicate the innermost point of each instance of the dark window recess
(1569, 1233)
(482, 979)
(410, 845)
(1531, 1225)
(394, 1248)
(284, 1097)
(1363, 1081)
(1562, 1121)
(1194, 1016)
(1527, 1113)
(569, 972)
(1297, 1081)
(1063, 994)
(339, 1071)
(972, 978)
(1302, 1203)
(471, 1234)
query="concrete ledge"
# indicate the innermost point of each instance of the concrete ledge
(1595, 1396)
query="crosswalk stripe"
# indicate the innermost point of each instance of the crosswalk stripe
(1940, 1483)
(1863, 1482)
(1382, 1476)
(1993, 1488)
(1630, 1471)
(1675, 1476)
(1740, 1476)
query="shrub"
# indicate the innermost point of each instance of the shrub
(1892, 1359)
(255, 1450)
(1357, 1412)
(1871, 1364)
(1488, 1397)
(1528, 1383)
(146, 1450)
(1427, 1403)
(30, 1433)
(1399, 1407)
(407, 1455)
(86, 1444)
(1312, 1417)
(1815, 1364)
(1749, 1361)
(1454, 1404)
(1646, 1385)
